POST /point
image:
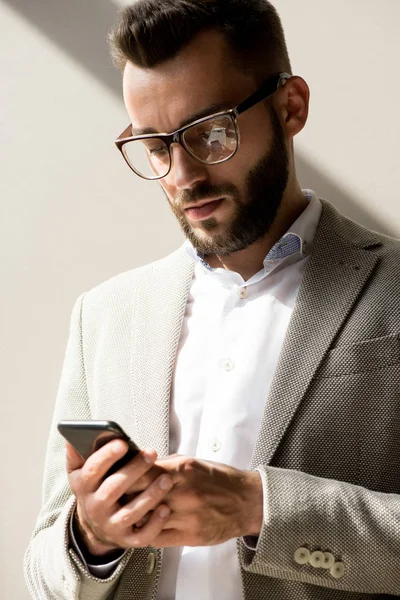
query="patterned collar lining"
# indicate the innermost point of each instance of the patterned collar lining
(289, 244)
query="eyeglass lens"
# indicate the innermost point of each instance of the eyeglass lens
(211, 141)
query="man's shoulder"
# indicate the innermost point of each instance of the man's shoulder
(119, 289)
(379, 254)
(334, 223)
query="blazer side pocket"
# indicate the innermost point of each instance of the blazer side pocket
(362, 357)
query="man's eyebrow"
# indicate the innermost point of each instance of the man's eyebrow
(210, 110)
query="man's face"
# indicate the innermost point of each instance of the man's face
(249, 187)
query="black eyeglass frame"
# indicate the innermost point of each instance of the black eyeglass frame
(267, 89)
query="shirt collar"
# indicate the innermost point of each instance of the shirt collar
(300, 236)
(297, 240)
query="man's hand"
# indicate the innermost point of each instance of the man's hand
(104, 524)
(178, 501)
(210, 503)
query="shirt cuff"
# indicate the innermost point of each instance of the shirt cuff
(252, 541)
(103, 571)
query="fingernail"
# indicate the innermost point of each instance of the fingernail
(118, 445)
(139, 524)
(163, 512)
(149, 456)
(165, 482)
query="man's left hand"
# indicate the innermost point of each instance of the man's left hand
(210, 503)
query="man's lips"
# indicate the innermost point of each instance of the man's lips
(196, 212)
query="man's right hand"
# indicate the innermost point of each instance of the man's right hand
(103, 523)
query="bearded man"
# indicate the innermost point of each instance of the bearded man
(257, 367)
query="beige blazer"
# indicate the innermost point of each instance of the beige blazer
(329, 441)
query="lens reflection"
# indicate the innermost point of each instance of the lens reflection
(213, 140)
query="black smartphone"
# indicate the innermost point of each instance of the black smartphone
(88, 436)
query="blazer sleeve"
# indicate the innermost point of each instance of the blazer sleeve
(327, 533)
(52, 568)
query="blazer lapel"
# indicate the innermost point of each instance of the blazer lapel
(338, 269)
(159, 302)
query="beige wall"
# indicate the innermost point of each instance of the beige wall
(73, 215)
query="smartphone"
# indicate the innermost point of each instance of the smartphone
(88, 436)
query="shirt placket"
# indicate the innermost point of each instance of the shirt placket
(221, 384)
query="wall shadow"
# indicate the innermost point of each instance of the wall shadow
(346, 203)
(80, 27)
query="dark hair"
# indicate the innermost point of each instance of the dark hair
(150, 32)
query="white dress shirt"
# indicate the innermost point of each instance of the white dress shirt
(232, 335)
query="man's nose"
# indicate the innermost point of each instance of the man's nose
(186, 171)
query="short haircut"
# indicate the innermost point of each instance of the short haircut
(149, 32)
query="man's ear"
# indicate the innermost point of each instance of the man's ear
(292, 103)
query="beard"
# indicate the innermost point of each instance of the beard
(254, 214)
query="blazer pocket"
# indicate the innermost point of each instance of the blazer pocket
(362, 357)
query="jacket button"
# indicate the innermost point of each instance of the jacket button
(317, 559)
(302, 556)
(151, 563)
(337, 570)
(329, 560)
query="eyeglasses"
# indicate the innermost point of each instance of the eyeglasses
(211, 140)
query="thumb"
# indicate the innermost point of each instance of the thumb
(74, 459)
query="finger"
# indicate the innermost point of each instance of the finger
(97, 465)
(145, 502)
(74, 459)
(143, 482)
(143, 537)
(117, 485)
(143, 521)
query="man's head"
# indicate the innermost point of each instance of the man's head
(183, 59)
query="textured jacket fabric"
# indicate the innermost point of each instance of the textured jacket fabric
(329, 442)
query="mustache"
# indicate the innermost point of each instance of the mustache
(203, 191)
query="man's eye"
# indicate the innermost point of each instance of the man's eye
(158, 151)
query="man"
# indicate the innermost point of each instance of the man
(257, 366)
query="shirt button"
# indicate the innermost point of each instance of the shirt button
(302, 556)
(215, 445)
(337, 570)
(243, 293)
(228, 364)
(329, 560)
(150, 563)
(317, 559)
(305, 248)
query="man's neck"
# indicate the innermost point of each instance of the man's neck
(249, 261)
